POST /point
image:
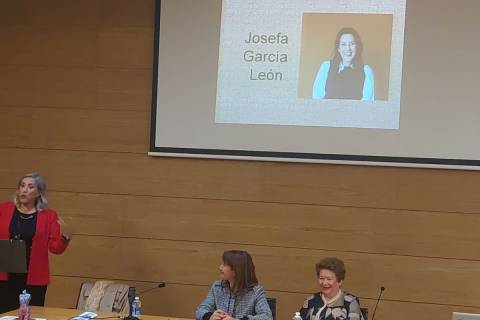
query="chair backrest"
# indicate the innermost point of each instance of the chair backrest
(272, 303)
(364, 312)
(114, 298)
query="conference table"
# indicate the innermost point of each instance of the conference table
(65, 314)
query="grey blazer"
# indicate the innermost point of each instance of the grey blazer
(249, 303)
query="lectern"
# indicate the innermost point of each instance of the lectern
(13, 256)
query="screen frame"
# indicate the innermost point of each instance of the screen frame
(278, 156)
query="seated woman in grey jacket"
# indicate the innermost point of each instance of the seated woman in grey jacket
(237, 295)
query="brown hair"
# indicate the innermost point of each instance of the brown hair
(242, 264)
(358, 59)
(333, 264)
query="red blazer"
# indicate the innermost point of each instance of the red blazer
(47, 238)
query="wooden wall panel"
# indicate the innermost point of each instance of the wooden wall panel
(75, 88)
(81, 46)
(441, 190)
(6, 194)
(340, 185)
(17, 124)
(91, 130)
(412, 233)
(28, 12)
(162, 302)
(72, 12)
(377, 187)
(360, 230)
(115, 47)
(75, 91)
(76, 129)
(49, 45)
(218, 179)
(197, 263)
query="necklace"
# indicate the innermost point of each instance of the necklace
(30, 216)
(22, 227)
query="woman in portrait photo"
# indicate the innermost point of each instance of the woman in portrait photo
(345, 76)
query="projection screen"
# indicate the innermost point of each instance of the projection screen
(376, 82)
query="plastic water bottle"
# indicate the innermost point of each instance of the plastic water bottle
(24, 309)
(137, 308)
(297, 316)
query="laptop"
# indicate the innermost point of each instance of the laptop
(13, 256)
(465, 316)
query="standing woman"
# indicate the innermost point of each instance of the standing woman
(237, 295)
(28, 218)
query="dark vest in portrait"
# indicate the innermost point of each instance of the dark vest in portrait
(348, 84)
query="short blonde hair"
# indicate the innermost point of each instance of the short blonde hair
(42, 200)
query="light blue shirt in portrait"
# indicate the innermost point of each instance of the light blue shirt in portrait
(322, 76)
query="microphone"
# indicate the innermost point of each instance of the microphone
(382, 288)
(159, 285)
(132, 293)
(131, 298)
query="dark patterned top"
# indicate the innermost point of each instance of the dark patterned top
(345, 307)
(345, 84)
(23, 227)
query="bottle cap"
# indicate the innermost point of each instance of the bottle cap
(25, 296)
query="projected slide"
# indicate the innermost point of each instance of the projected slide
(311, 63)
(334, 81)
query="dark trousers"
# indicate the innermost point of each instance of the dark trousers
(11, 289)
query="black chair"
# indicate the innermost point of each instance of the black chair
(364, 312)
(272, 303)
